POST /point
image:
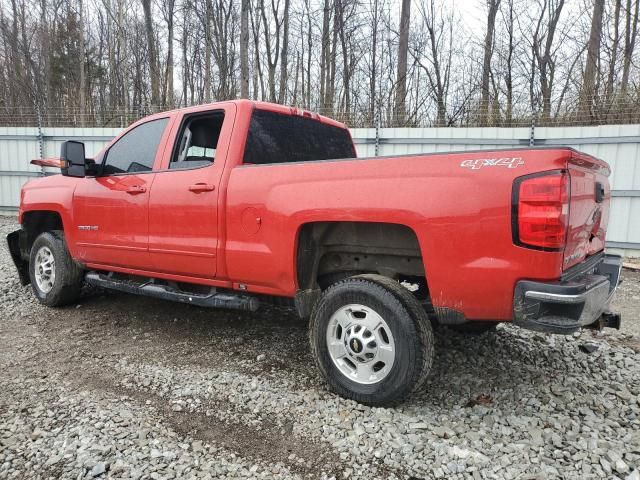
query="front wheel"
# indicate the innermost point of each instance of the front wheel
(371, 340)
(56, 279)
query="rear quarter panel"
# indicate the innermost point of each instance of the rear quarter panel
(461, 216)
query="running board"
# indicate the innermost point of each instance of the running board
(165, 292)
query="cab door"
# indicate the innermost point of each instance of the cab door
(111, 211)
(183, 204)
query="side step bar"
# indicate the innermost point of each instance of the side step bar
(165, 292)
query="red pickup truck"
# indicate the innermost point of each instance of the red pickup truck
(235, 203)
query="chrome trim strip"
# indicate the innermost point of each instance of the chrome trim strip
(556, 297)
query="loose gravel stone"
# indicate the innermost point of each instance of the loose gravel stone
(136, 388)
(99, 469)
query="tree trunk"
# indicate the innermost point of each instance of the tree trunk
(81, 66)
(509, 67)
(346, 71)
(120, 48)
(331, 78)
(255, 25)
(373, 71)
(324, 54)
(207, 51)
(244, 49)
(46, 53)
(614, 54)
(272, 57)
(588, 90)
(185, 47)
(401, 77)
(544, 59)
(153, 60)
(486, 63)
(309, 50)
(283, 57)
(170, 5)
(296, 81)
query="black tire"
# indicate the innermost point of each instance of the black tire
(328, 279)
(474, 327)
(68, 274)
(409, 325)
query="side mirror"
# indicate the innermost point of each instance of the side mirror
(72, 156)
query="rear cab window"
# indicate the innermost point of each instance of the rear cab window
(281, 138)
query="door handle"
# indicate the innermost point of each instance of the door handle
(136, 189)
(201, 187)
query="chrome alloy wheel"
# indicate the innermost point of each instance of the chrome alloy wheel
(45, 269)
(360, 344)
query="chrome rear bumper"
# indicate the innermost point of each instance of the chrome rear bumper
(566, 306)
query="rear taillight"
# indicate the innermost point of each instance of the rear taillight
(541, 210)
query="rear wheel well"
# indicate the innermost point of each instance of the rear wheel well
(37, 222)
(328, 251)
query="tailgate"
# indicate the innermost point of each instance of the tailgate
(588, 208)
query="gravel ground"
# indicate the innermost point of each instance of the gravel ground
(120, 386)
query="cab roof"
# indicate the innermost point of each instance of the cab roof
(272, 107)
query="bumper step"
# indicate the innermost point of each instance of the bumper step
(570, 304)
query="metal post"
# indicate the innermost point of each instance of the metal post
(532, 133)
(40, 136)
(377, 132)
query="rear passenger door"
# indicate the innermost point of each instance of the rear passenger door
(183, 205)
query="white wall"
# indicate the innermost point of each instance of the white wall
(617, 144)
(20, 145)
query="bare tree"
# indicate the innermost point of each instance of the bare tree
(272, 54)
(631, 33)
(438, 25)
(151, 48)
(543, 53)
(493, 6)
(244, 49)
(168, 11)
(208, 11)
(258, 78)
(81, 66)
(613, 61)
(404, 62)
(284, 54)
(185, 53)
(508, 18)
(223, 48)
(401, 77)
(325, 54)
(373, 62)
(588, 90)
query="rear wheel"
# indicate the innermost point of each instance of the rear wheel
(371, 340)
(56, 279)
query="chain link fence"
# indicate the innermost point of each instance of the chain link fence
(596, 112)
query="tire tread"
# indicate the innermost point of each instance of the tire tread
(395, 292)
(70, 272)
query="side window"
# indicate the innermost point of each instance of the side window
(198, 140)
(136, 150)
